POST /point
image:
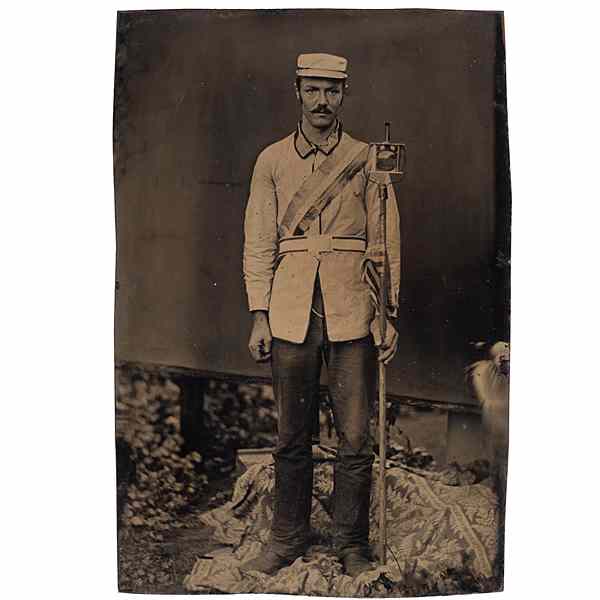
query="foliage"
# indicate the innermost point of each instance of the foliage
(166, 482)
(417, 581)
(237, 416)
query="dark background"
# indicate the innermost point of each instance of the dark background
(199, 93)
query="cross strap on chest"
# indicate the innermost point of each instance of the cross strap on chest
(322, 186)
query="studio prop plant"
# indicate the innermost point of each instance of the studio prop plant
(240, 415)
(161, 482)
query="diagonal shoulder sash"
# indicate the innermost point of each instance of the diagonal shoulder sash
(323, 185)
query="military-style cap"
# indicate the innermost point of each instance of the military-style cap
(322, 65)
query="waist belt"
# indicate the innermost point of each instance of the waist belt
(321, 244)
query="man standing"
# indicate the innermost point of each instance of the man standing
(311, 220)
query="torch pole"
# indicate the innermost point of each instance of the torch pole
(382, 188)
(390, 158)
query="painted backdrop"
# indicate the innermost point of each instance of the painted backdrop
(199, 93)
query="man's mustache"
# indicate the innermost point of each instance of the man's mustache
(323, 111)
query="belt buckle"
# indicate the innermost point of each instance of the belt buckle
(319, 245)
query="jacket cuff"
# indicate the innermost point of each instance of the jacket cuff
(253, 309)
(258, 301)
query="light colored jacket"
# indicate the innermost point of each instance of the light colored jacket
(284, 287)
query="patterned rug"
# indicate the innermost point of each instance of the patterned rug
(433, 527)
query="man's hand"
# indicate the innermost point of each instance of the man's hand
(260, 338)
(388, 348)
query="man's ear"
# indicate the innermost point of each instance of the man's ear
(297, 93)
(345, 90)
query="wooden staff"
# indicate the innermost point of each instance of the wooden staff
(393, 158)
(383, 195)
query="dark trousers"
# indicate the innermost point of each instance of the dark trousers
(296, 371)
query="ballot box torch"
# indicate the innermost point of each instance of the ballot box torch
(388, 164)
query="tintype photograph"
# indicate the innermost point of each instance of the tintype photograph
(312, 306)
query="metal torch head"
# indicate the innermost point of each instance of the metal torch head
(390, 157)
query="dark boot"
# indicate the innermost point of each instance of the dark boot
(355, 563)
(352, 501)
(268, 562)
(290, 529)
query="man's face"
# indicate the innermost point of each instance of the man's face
(321, 100)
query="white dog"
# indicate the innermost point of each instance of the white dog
(488, 380)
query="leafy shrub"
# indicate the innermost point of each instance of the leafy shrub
(166, 482)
